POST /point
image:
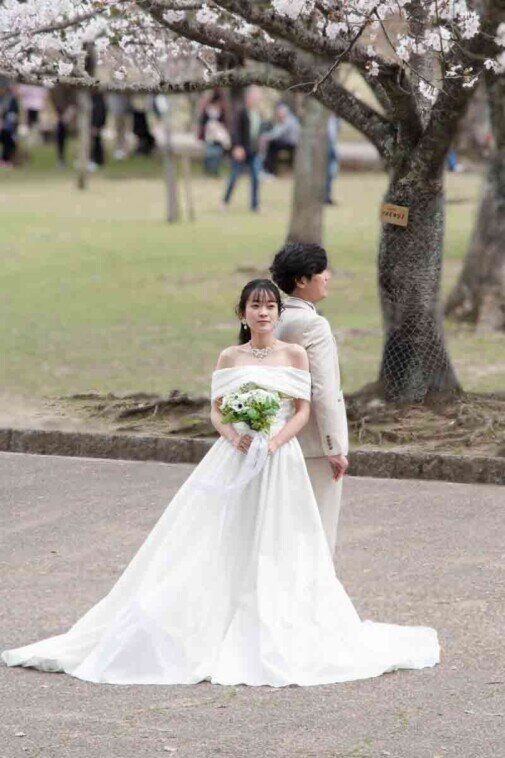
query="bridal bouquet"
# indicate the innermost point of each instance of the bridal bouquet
(253, 405)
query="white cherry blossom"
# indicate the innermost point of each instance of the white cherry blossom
(47, 38)
(293, 8)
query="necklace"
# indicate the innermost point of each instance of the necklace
(260, 352)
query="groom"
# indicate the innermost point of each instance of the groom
(301, 271)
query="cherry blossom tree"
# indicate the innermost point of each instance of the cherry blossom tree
(437, 51)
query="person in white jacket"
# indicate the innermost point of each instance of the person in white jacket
(301, 271)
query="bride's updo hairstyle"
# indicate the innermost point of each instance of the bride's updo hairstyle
(259, 290)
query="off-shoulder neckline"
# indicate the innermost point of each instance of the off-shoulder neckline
(255, 365)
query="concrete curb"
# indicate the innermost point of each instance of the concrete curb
(376, 463)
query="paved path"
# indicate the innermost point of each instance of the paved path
(413, 552)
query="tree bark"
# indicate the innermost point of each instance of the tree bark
(306, 224)
(479, 294)
(415, 361)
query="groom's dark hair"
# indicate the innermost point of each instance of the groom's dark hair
(297, 259)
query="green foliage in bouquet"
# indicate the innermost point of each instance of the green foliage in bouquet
(252, 405)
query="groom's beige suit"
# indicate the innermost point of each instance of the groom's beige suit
(326, 431)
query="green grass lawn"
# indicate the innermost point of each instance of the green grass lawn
(99, 293)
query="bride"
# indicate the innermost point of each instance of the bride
(235, 584)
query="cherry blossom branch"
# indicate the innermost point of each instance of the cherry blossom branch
(303, 40)
(58, 26)
(364, 118)
(385, 85)
(454, 98)
(222, 38)
(394, 49)
(236, 77)
(347, 50)
(181, 5)
(289, 30)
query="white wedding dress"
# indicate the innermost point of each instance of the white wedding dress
(235, 586)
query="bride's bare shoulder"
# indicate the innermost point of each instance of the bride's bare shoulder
(296, 354)
(228, 357)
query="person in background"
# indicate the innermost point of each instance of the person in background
(453, 163)
(32, 99)
(141, 104)
(332, 166)
(212, 130)
(119, 107)
(9, 120)
(283, 136)
(64, 100)
(98, 119)
(245, 146)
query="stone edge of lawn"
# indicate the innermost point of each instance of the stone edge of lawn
(382, 464)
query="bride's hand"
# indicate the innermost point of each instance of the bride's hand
(242, 443)
(273, 446)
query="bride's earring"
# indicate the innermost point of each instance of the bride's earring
(244, 324)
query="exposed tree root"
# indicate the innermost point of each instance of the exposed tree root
(465, 423)
(178, 413)
(468, 423)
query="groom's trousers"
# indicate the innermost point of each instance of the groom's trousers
(328, 493)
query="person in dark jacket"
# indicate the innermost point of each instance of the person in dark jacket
(9, 120)
(141, 105)
(245, 147)
(64, 100)
(98, 119)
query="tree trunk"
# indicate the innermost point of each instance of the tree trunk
(84, 137)
(473, 133)
(170, 168)
(311, 159)
(479, 294)
(415, 361)
(84, 121)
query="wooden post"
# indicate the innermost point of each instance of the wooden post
(84, 137)
(188, 187)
